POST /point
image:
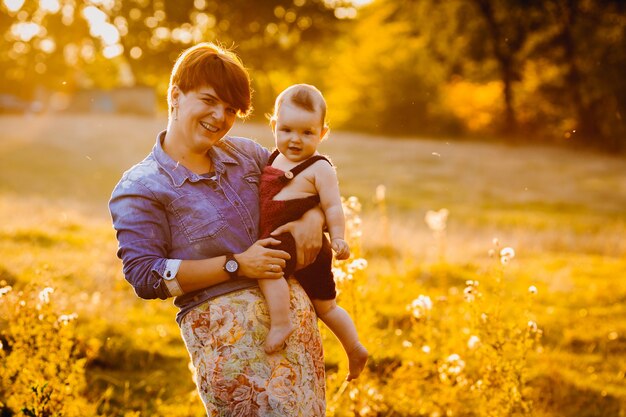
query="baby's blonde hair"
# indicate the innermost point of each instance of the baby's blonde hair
(304, 96)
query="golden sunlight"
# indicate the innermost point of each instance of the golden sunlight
(25, 31)
(13, 5)
(100, 28)
(51, 6)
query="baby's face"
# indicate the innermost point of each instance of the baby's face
(298, 132)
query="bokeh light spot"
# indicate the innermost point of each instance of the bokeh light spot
(13, 5)
(135, 52)
(51, 6)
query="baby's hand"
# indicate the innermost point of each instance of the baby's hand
(341, 248)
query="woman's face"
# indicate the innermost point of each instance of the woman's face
(203, 117)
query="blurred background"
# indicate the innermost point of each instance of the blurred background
(479, 145)
(530, 71)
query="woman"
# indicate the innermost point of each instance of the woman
(186, 219)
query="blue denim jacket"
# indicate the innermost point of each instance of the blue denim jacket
(161, 212)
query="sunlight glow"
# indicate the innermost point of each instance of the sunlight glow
(25, 31)
(361, 3)
(107, 4)
(51, 6)
(68, 14)
(162, 33)
(88, 52)
(100, 28)
(13, 5)
(107, 32)
(345, 12)
(182, 34)
(111, 51)
(136, 52)
(47, 45)
(93, 14)
(351, 4)
(70, 53)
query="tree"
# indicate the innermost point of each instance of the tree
(588, 43)
(136, 41)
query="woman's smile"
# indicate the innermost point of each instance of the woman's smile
(209, 127)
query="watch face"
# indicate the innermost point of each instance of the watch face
(232, 266)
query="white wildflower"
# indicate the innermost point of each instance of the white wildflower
(532, 326)
(455, 364)
(470, 293)
(436, 220)
(66, 318)
(473, 342)
(420, 306)
(353, 203)
(340, 275)
(451, 368)
(5, 290)
(381, 190)
(359, 264)
(44, 295)
(532, 289)
(426, 349)
(506, 254)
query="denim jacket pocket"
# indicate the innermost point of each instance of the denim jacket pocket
(199, 218)
(252, 180)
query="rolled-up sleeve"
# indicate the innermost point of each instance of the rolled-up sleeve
(143, 235)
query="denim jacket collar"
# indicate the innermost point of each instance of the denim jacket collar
(178, 173)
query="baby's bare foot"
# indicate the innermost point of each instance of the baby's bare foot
(357, 358)
(277, 336)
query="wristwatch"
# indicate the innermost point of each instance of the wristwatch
(231, 266)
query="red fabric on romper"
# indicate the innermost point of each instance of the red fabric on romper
(317, 278)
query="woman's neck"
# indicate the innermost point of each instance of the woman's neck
(197, 162)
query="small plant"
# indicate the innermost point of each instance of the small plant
(42, 366)
(465, 354)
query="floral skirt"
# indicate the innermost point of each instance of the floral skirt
(235, 377)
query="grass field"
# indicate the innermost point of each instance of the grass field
(563, 212)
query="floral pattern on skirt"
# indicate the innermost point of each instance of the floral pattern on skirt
(235, 377)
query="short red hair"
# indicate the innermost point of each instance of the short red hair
(207, 64)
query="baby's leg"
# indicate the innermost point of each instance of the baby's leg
(276, 293)
(338, 320)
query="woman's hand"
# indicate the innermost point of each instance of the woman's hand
(261, 262)
(307, 232)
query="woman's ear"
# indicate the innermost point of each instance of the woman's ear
(174, 95)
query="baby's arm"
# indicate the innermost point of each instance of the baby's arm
(327, 187)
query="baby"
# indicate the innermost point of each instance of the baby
(296, 179)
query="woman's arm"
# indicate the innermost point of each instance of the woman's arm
(144, 239)
(256, 262)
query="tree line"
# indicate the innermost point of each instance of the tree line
(530, 70)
